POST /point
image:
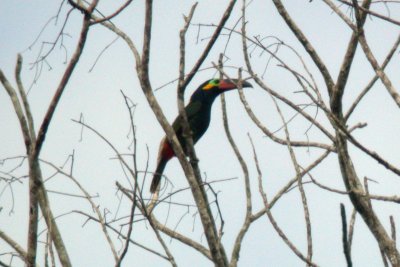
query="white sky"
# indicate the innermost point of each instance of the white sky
(97, 96)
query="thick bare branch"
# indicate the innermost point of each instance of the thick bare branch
(338, 89)
(373, 13)
(13, 244)
(217, 251)
(372, 60)
(64, 80)
(306, 44)
(346, 247)
(18, 110)
(361, 204)
(373, 80)
(247, 221)
(24, 99)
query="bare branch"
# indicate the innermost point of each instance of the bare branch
(351, 227)
(290, 184)
(152, 224)
(18, 110)
(373, 13)
(306, 44)
(247, 221)
(372, 82)
(393, 228)
(123, 236)
(299, 183)
(374, 63)
(338, 89)
(116, 13)
(64, 80)
(94, 207)
(353, 185)
(340, 14)
(14, 245)
(272, 219)
(210, 44)
(24, 99)
(346, 247)
(269, 133)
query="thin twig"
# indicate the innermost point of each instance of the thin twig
(373, 13)
(64, 80)
(284, 189)
(271, 218)
(372, 60)
(118, 232)
(211, 43)
(94, 207)
(247, 221)
(116, 13)
(136, 188)
(306, 44)
(373, 80)
(299, 183)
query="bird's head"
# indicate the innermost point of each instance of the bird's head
(221, 86)
(210, 89)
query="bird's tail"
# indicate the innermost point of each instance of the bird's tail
(157, 175)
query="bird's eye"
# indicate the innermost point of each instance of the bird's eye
(215, 81)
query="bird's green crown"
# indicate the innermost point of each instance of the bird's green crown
(211, 84)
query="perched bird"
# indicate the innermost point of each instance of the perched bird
(198, 113)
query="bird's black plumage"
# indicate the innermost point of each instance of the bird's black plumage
(198, 112)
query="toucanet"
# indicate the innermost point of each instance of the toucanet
(198, 113)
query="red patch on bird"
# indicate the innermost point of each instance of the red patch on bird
(167, 152)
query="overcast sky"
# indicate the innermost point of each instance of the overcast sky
(95, 95)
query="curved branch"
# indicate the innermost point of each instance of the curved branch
(64, 80)
(210, 44)
(14, 245)
(306, 44)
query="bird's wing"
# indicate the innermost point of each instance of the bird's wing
(192, 109)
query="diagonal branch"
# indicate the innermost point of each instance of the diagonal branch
(344, 72)
(95, 207)
(116, 13)
(271, 218)
(345, 241)
(284, 189)
(299, 182)
(217, 251)
(64, 80)
(210, 44)
(18, 110)
(373, 13)
(372, 82)
(13, 244)
(371, 58)
(306, 44)
(24, 99)
(247, 220)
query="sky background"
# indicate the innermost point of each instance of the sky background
(95, 94)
